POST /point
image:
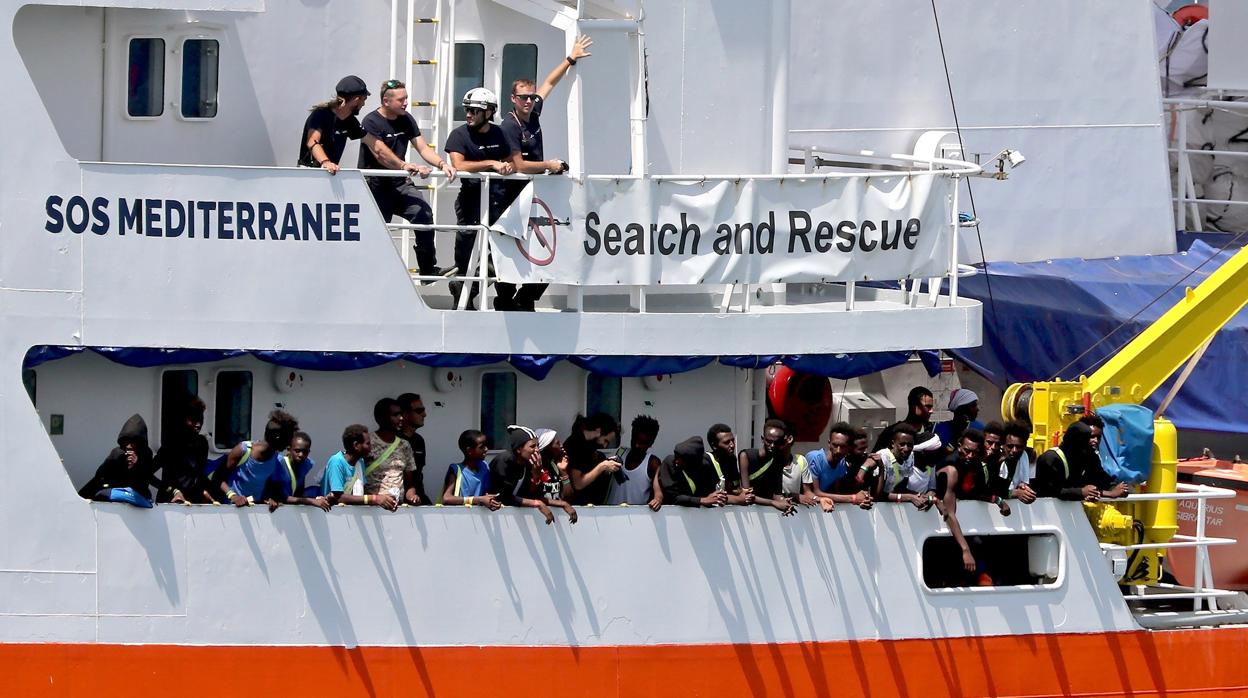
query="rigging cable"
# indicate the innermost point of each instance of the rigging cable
(957, 126)
(1146, 306)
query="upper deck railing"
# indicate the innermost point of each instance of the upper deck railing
(705, 238)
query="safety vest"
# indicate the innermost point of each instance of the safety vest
(385, 455)
(1065, 463)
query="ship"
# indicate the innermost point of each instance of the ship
(751, 186)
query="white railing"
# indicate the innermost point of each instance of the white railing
(1202, 592)
(875, 166)
(1186, 202)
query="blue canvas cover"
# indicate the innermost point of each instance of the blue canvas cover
(1127, 444)
(1043, 315)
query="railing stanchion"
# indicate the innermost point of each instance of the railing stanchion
(1180, 182)
(954, 227)
(1201, 553)
(483, 239)
(850, 288)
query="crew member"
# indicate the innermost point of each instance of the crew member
(523, 129)
(394, 127)
(477, 146)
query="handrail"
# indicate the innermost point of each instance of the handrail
(959, 167)
(1186, 203)
(1200, 594)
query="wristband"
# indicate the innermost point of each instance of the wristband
(230, 494)
(468, 501)
(365, 499)
(570, 60)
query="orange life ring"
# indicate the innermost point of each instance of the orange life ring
(1188, 15)
(801, 399)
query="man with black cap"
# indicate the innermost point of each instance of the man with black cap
(687, 481)
(331, 124)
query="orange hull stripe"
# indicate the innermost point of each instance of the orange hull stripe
(1164, 663)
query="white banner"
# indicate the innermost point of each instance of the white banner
(641, 232)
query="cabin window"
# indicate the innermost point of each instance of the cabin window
(145, 78)
(1005, 560)
(519, 61)
(200, 60)
(469, 73)
(498, 406)
(30, 381)
(232, 413)
(603, 394)
(176, 388)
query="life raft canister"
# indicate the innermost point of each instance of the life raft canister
(801, 399)
(1188, 15)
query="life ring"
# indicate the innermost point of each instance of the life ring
(1188, 15)
(801, 399)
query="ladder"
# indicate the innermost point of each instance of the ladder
(439, 55)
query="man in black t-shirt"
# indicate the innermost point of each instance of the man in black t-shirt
(477, 146)
(395, 128)
(685, 479)
(414, 418)
(762, 469)
(523, 129)
(331, 124)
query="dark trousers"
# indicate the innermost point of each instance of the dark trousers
(401, 198)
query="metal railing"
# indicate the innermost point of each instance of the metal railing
(1186, 202)
(1202, 591)
(479, 272)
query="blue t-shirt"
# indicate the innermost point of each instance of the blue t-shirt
(292, 482)
(945, 431)
(251, 476)
(338, 472)
(469, 483)
(825, 473)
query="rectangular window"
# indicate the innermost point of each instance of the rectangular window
(232, 416)
(519, 62)
(469, 73)
(176, 387)
(145, 78)
(603, 394)
(1004, 560)
(200, 58)
(498, 406)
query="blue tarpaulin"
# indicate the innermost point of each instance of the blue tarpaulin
(534, 366)
(1042, 315)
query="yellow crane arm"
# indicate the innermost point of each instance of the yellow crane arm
(1139, 368)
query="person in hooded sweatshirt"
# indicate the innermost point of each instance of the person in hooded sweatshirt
(182, 458)
(1073, 470)
(130, 464)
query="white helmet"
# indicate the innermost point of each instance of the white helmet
(480, 98)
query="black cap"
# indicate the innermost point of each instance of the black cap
(690, 450)
(351, 86)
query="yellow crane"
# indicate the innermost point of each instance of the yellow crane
(1130, 376)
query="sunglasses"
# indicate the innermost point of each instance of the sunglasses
(526, 98)
(473, 110)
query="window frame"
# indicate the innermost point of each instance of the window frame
(216, 376)
(457, 109)
(1063, 563)
(160, 395)
(499, 445)
(505, 106)
(164, 78)
(589, 412)
(180, 52)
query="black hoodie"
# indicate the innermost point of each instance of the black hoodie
(181, 463)
(1082, 467)
(115, 472)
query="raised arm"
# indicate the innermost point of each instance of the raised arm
(580, 49)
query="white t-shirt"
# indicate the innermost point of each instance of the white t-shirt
(796, 474)
(916, 480)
